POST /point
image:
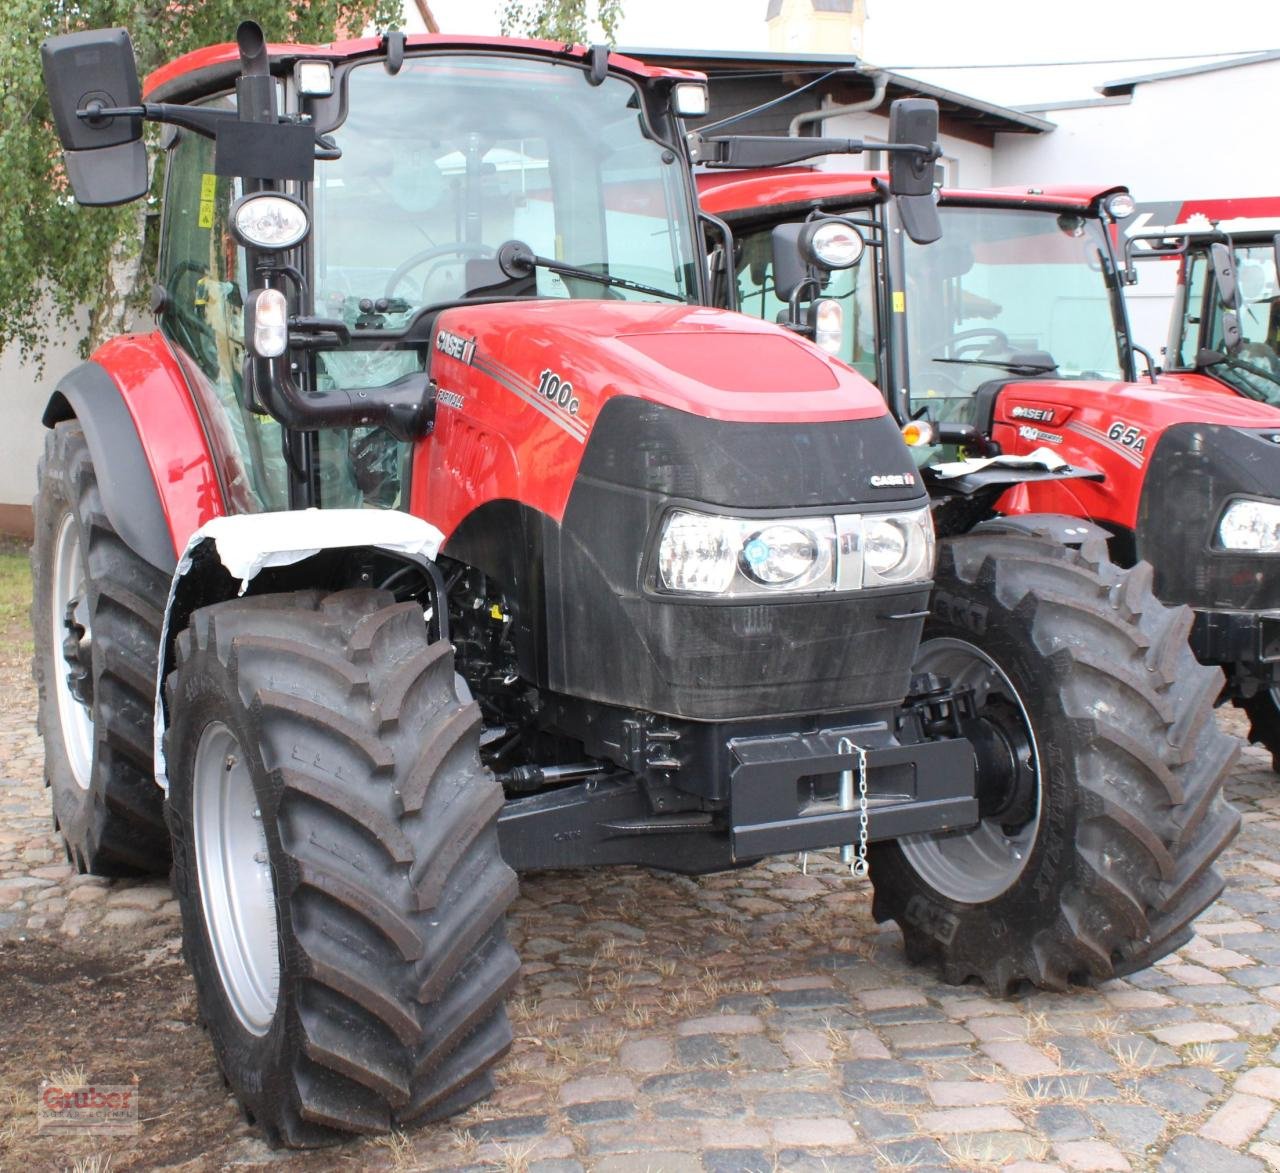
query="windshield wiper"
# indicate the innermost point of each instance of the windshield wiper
(517, 259)
(1018, 368)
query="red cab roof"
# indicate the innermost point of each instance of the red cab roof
(728, 193)
(195, 71)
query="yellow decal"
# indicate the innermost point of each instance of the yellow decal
(208, 189)
(899, 302)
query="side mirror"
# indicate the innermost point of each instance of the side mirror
(1224, 275)
(105, 157)
(789, 268)
(914, 121)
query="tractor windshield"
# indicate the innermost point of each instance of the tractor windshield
(1254, 368)
(1006, 290)
(455, 155)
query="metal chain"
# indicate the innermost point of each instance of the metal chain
(860, 866)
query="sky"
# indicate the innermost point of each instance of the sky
(908, 34)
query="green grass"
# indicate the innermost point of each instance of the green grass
(15, 584)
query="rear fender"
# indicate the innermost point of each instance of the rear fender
(262, 552)
(149, 448)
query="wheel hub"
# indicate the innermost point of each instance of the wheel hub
(1004, 758)
(978, 865)
(77, 649)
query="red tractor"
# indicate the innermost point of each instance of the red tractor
(442, 529)
(1010, 334)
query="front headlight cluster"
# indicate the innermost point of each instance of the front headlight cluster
(1250, 525)
(738, 557)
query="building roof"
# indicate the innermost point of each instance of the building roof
(775, 7)
(722, 63)
(1126, 84)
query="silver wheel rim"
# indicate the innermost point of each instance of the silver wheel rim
(974, 866)
(234, 874)
(74, 716)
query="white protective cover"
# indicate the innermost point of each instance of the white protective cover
(250, 542)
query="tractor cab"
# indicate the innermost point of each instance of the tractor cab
(1225, 322)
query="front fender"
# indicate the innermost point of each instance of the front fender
(224, 558)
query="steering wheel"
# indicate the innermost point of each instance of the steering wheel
(461, 248)
(980, 341)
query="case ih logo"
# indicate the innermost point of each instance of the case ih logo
(891, 480)
(455, 346)
(1042, 415)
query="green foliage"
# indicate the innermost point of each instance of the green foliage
(48, 244)
(560, 20)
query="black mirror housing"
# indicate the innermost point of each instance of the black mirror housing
(1224, 275)
(789, 268)
(105, 157)
(913, 121)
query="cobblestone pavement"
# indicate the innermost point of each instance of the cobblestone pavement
(758, 1020)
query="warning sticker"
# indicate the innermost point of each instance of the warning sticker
(899, 302)
(208, 189)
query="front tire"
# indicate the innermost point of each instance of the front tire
(1263, 711)
(1100, 773)
(336, 863)
(96, 612)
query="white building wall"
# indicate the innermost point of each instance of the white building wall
(1186, 138)
(23, 395)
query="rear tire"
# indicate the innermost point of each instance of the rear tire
(336, 862)
(1112, 860)
(1263, 710)
(96, 612)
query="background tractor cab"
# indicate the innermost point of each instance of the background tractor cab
(1010, 335)
(1225, 322)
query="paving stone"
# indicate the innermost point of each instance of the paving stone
(926, 1036)
(803, 1104)
(1260, 1081)
(807, 1046)
(1075, 1054)
(1237, 1120)
(969, 1093)
(702, 1108)
(758, 1054)
(649, 1162)
(1194, 1154)
(646, 1055)
(124, 917)
(702, 1051)
(878, 1125)
(883, 1092)
(722, 1024)
(1020, 1058)
(1173, 1095)
(1195, 1032)
(512, 1128)
(598, 1111)
(604, 1087)
(1063, 1122)
(892, 998)
(738, 1161)
(1090, 1156)
(1131, 1126)
(819, 1132)
(868, 1070)
(685, 1081)
(915, 1154)
(958, 1120)
(864, 1044)
(810, 999)
(1070, 1087)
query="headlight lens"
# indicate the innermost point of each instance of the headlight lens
(733, 557)
(269, 221)
(1250, 525)
(836, 244)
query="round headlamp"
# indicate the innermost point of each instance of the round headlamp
(269, 221)
(1120, 206)
(779, 554)
(832, 243)
(884, 545)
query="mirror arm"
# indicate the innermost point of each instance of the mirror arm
(197, 118)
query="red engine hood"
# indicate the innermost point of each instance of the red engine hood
(705, 361)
